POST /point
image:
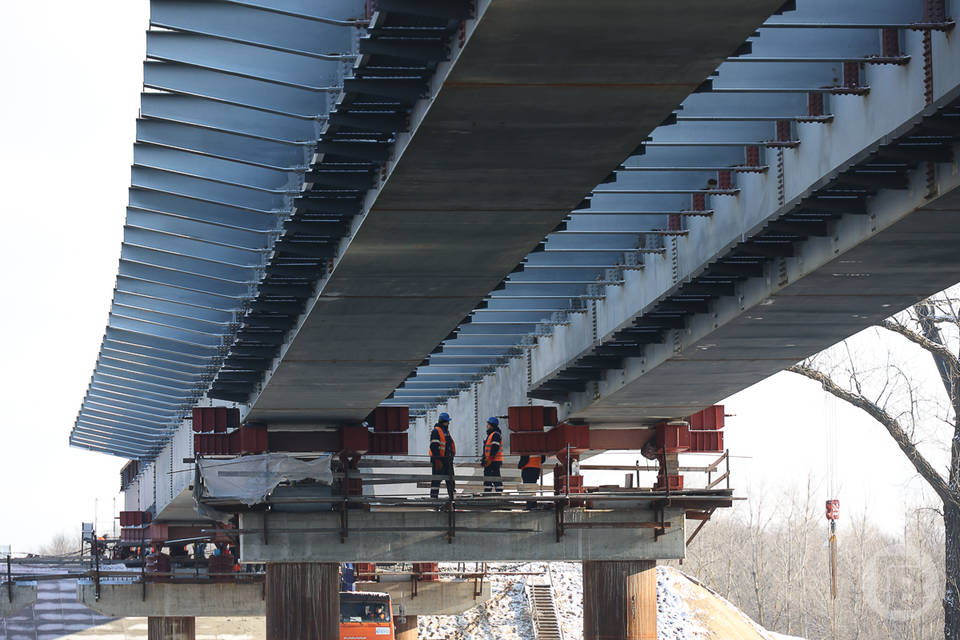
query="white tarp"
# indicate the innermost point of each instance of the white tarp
(251, 478)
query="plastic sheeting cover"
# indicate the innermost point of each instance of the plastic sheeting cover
(251, 478)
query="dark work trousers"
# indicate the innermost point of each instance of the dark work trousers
(530, 476)
(492, 470)
(442, 467)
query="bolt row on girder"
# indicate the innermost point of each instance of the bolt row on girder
(261, 128)
(731, 126)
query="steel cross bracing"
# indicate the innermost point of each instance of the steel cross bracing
(262, 125)
(738, 123)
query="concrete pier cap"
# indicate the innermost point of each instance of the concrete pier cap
(174, 599)
(160, 599)
(437, 598)
(493, 536)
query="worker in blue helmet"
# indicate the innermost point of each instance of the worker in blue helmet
(441, 452)
(492, 457)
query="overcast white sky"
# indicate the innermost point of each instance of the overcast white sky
(71, 79)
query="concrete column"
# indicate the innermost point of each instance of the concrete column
(620, 600)
(407, 630)
(303, 600)
(171, 628)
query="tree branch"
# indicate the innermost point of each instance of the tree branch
(909, 449)
(931, 346)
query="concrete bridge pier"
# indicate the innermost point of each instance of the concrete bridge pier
(171, 628)
(620, 600)
(406, 630)
(303, 600)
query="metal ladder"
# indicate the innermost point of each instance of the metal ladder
(543, 611)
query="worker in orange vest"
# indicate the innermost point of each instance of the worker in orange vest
(530, 467)
(442, 450)
(492, 457)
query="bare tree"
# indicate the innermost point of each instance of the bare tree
(772, 559)
(60, 544)
(890, 395)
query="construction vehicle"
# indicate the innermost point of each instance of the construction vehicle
(365, 616)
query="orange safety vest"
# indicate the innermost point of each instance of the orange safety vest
(488, 445)
(443, 444)
(533, 462)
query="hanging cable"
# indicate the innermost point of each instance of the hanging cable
(833, 504)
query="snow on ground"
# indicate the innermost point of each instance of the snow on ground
(675, 619)
(507, 616)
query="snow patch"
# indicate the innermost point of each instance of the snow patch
(507, 615)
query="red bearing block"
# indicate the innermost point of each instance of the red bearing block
(253, 439)
(431, 569)
(355, 439)
(527, 442)
(390, 419)
(709, 418)
(675, 482)
(158, 563)
(576, 435)
(673, 438)
(388, 443)
(157, 533)
(364, 570)
(131, 534)
(197, 419)
(215, 419)
(531, 418)
(706, 441)
(134, 518)
(220, 564)
(354, 486)
(562, 482)
(220, 419)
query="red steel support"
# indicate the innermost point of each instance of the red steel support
(890, 43)
(934, 11)
(815, 105)
(851, 75)
(784, 131)
(427, 571)
(724, 180)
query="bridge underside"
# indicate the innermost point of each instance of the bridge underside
(870, 267)
(543, 102)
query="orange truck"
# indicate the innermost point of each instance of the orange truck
(365, 616)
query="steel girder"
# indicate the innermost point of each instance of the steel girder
(261, 127)
(731, 127)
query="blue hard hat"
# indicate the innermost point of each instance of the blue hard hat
(493, 420)
(444, 417)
